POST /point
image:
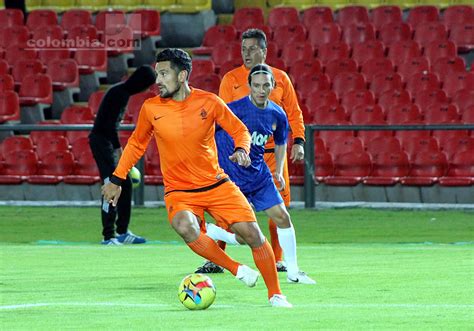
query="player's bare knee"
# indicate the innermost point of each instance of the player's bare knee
(186, 226)
(281, 217)
(252, 235)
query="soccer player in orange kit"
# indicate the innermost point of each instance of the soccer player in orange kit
(182, 120)
(234, 86)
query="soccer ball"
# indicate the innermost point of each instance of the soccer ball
(196, 292)
(135, 175)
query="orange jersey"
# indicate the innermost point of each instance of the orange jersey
(184, 133)
(234, 86)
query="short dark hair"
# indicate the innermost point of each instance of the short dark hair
(179, 59)
(260, 69)
(256, 34)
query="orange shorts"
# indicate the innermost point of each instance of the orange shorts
(270, 160)
(225, 203)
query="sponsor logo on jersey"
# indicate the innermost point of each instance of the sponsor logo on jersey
(259, 139)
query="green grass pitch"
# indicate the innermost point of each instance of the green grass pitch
(376, 269)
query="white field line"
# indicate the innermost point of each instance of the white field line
(167, 306)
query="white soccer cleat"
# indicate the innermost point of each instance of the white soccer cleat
(279, 300)
(247, 276)
(300, 278)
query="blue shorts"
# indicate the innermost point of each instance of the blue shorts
(265, 197)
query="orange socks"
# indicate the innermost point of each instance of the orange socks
(208, 249)
(274, 239)
(265, 262)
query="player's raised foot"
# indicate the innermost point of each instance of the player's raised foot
(280, 266)
(247, 276)
(111, 242)
(300, 278)
(130, 238)
(209, 268)
(279, 300)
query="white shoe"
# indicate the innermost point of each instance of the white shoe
(279, 300)
(247, 276)
(300, 278)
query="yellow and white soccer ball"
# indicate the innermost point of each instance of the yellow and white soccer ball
(196, 291)
(136, 177)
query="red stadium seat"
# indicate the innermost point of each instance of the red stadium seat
(49, 144)
(428, 32)
(327, 33)
(356, 34)
(332, 135)
(118, 40)
(18, 165)
(402, 51)
(52, 169)
(77, 115)
(355, 98)
(385, 81)
(422, 81)
(153, 174)
(350, 169)
(14, 35)
(391, 33)
(210, 83)
(309, 84)
(367, 114)
(135, 104)
(317, 16)
(345, 82)
(202, 67)
(456, 14)
(296, 172)
(324, 165)
(11, 17)
(297, 52)
(343, 145)
(286, 35)
(382, 145)
(453, 141)
(218, 34)
(444, 66)
(468, 115)
(351, 14)
(411, 135)
(36, 89)
(228, 66)
(441, 113)
(305, 67)
(420, 14)
(403, 114)
(426, 168)
(94, 101)
(225, 52)
(425, 98)
(367, 136)
(9, 106)
(85, 170)
(386, 14)
(48, 55)
(74, 136)
(319, 97)
(281, 16)
(245, 18)
(24, 68)
(367, 50)
(276, 63)
(463, 36)
(15, 53)
(4, 70)
(91, 60)
(455, 81)
(75, 17)
(394, 97)
(440, 49)
(48, 35)
(35, 136)
(110, 19)
(463, 99)
(328, 115)
(145, 22)
(427, 144)
(6, 82)
(372, 67)
(333, 51)
(15, 143)
(64, 74)
(334, 67)
(388, 168)
(80, 146)
(461, 170)
(86, 34)
(41, 17)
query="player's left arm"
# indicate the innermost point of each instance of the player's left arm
(295, 119)
(280, 135)
(226, 119)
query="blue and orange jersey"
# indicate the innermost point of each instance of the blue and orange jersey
(263, 124)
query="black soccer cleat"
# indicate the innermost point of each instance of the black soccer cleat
(209, 268)
(280, 267)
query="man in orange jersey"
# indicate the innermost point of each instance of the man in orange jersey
(182, 120)
(234, 86)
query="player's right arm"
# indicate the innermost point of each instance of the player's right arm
(134, 150)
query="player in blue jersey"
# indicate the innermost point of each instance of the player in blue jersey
(264, 119)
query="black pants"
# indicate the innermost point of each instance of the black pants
(103, 152)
